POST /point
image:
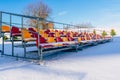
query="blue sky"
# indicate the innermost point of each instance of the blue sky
(100, 13)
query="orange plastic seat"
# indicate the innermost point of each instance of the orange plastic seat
(45, 35)
(26, 36)
(79, 39)
(41, 32)
(65, 39)
(85, 37)
(50, 39)
(65, 33)
(52, 30)
(71, 34)
(57, 34)
(5, 28)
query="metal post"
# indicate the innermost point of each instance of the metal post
(0, 24)
(23, 43)
(12, 36)
(39, 47)
(2, 43)
(1, 28)
(2, 34)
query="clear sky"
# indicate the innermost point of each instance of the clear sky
(101, 13)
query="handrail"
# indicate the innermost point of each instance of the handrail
(33, 17)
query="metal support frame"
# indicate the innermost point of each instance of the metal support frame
(24, 45)
(12, 46)
(12, 39)
(0, 24)
(41, 51)
(2, 44)
(39, 47)
(1, 34)
(0, 28)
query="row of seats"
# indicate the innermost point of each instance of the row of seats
(50, 37)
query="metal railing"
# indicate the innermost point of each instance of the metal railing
(22, 25)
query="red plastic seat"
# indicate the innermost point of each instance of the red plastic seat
(43, 43)
(33, 32)
(58, 39)
(70, 39)
(51, 35)
(47, 31)
(15, 31)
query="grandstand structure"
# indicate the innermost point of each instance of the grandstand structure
(52, 39)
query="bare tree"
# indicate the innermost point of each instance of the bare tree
(38, 9)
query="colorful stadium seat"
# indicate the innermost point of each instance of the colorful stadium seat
(5, 28)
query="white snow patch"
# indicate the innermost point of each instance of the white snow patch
(101, 62)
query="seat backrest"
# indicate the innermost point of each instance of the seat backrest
(31, 29)
(15, 30)
(51, 35)
(85, 37)
(71, 34)
(41, 32)
(82, 38)
(5, 28)
(58, 39)
(79, 39)
(50, 39)
(41, 40)
(70, 39)
(52, 30)
(25, 33)
(65, 33)
(45, 35)
(57, 34)
(65, 39)
(47, 31)
(33, 32)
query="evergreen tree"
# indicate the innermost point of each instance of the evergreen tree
(112, 33)
(104, 33)
(94, 31)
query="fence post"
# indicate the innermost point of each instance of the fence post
(1, 33)
(1, 28)
(40, 54)
(0, 24)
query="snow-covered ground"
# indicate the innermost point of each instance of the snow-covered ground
(101, 62)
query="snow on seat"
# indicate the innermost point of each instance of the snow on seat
(29, 39)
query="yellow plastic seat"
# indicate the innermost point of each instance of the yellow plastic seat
(71, 34)
(79, 39)
(52, 30)
(26, 36)
(41, 32)
(57, 34)
(50, 25)
(50, 39)
(90, 38)
(45, 35)
(85, 37)
(65, 33)
(65, 39)
(5, 28)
